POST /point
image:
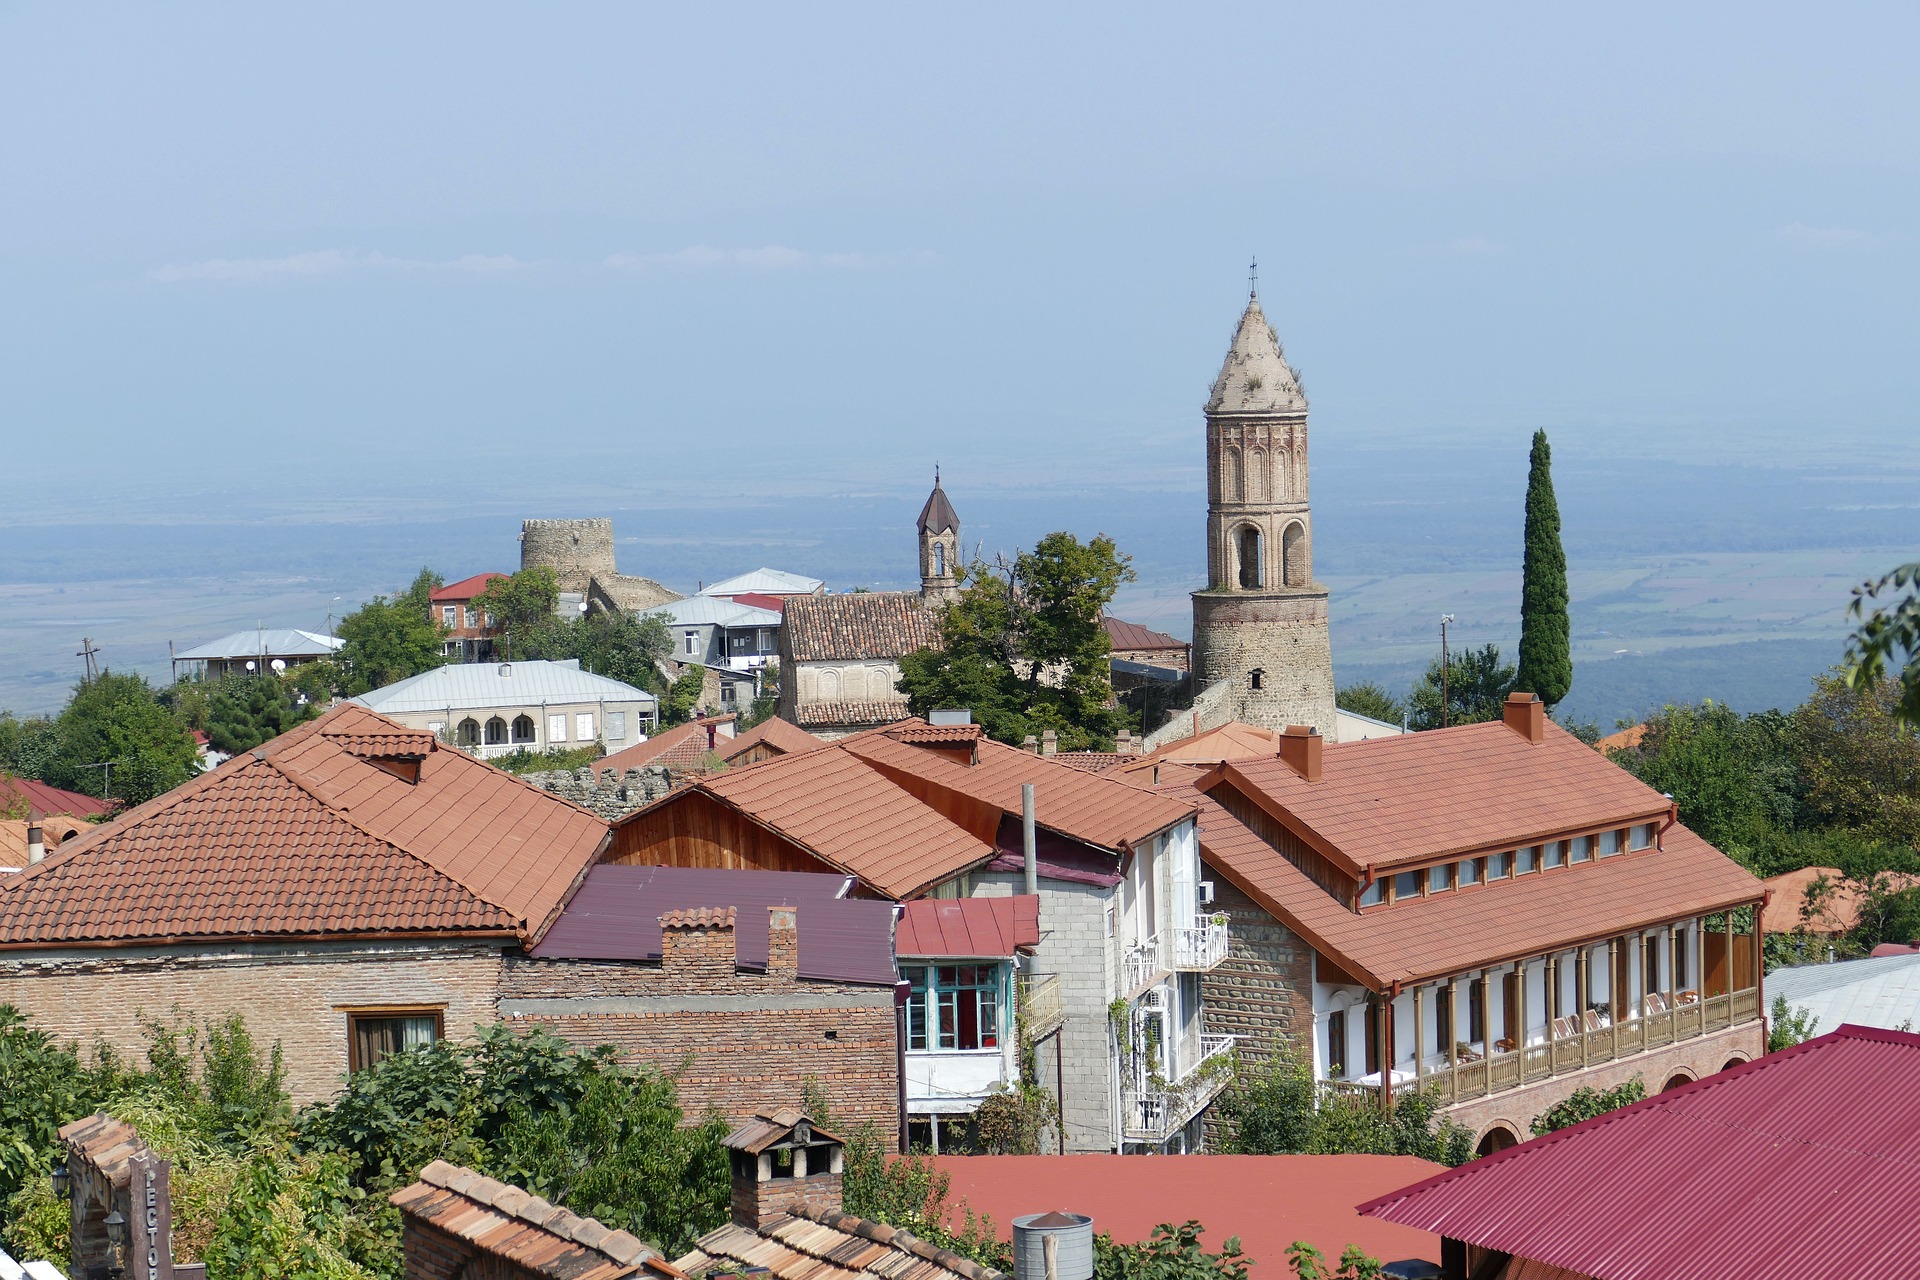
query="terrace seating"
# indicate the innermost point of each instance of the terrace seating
(1653, 1002)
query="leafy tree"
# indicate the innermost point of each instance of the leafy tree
(27, 747)
(1788, 1026)
(1280, 1109)
(389, 639)
(621, 646)
(118, 720)
(1859, 761)
(1732, 775)
(1476, 688)
(1886, 631)
(1585, 1103)
(1309, 1263)
(244, 711)
(1023, 648)
(1546, 634)
(521, 604)
(683, 696)
(1170, 1253)
(1369, 699)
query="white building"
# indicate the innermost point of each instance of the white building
(495, 709)
(713, 631)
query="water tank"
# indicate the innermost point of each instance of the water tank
(1073, 1248)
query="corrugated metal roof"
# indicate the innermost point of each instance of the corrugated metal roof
(616, 916)
(1796, 1165)
(715, 611)
(1883, 991)
(43, 800)
(480, 686)
(765, 581)
(466, 588)
(277, 642)
(976, 928)
(1126, 636)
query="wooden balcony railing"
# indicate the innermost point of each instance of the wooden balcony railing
(1043, 1003)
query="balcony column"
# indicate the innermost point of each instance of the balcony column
(1582, 996)
(1550, 992)
(1486, 1029)
(1613, 994)
(1419, 1058)
(1453, 1039)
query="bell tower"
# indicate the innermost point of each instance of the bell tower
(939, 545)
(1261, 623)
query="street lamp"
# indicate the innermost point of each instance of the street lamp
(116, 1225)
(1445, 692)
(62, 1180)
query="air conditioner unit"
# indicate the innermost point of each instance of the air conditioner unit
(1206, 893)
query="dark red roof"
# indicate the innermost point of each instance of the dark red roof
(1798, 1164)
(616, 916)
(974, 928)
(466, 588)
(773, 604)
(1126, 637)
(680, 749)
(43, 800)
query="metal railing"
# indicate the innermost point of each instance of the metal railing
(1141, 966)
(1043, 1003)
(1155, 1114)
(1201, 945)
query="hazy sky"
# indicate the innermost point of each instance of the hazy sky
(274, 254)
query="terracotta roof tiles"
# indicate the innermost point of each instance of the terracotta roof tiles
(859, 625)
(679, 749)
(776, 734)
(524, 1229)
(864, 712)
(827, 1245)
(1129, 637)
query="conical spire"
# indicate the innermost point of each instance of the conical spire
(938, 516)
(1255, 377)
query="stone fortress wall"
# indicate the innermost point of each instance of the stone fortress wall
(577, 551)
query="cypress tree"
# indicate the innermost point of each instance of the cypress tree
(1546, 633)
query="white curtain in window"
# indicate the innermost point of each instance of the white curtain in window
(557, 728)
(583, 727)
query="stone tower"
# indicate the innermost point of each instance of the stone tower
(1261, 624)
(939, 545)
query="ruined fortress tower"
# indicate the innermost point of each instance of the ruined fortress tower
(580, 553)
(1261, 624)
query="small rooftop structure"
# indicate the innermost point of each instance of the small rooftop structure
(766, 582)
(1880, 991)
(1793, 1165)
(256, 650)
(771, 737)
(471, 1214)
(1256, 377)
(482, 685)
(679, 749)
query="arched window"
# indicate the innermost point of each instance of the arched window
(496, 732)
(1230, 475)
(1498, 1138)
(523, 728)
(1256, 475)
(1248, 539)
(1257, 678)
(467, 733)
(1293, 554)
(939, 559)
(829, 686)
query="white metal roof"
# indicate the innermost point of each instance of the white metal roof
(1883, 991)
(277, 642)
(475, 686)
(714, 611)
(766, 582)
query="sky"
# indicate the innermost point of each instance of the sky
(471, 256)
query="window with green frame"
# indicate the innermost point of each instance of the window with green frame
(953, 1006)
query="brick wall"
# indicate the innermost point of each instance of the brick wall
(1263, 991)
(432, 1254)
(297, 995)
(739, 1041)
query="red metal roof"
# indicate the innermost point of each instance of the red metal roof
(43, 800)
(1127, 637)
(1798, 1164)
(975, 928)
(772, 604)
(466, 588)
(1268, 1201)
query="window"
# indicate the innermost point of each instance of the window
(557, 727)
(1375, 892)
(1251, 577)
(1443, 1024)
(473, 617)
(1582, 848)
(1406, 885)
(958, 1011)
(583, 727)
(1337, 1044)
(739, 642)
(1257, 678)
(1611, 843)
(491, 622)
(1470, 871)
(616, 726)
(1529, 860)
(1476, 1014)
(448, 613)
(523, 728)
(728, 697)
(1678, 978)
(496, 732)
(690, 642)
(467, 733)
(1557, 853)
(1643, 835)
(1440, 878)
(939, 560)
(380, 1033)
(1650, 964)
(1497, 865)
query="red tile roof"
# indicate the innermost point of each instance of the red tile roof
(1422, 796)
(1625, 740)
(1127, 637)
(867, 711)
(1092, 809)
(304, 836)
(680, 749)
(1797, 1164)
(43, 800)
(975, 928)
(524, 1229)
(1481, 925)
(936, 735)
(858, 625)
(466, 588)
(1268, 1201)
(776, 734)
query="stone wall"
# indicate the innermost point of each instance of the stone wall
(1284, 635)
(610, 795)
(431, 1254)
(1263, 991)
(740, 1041)
(576, 550)
(298, 995)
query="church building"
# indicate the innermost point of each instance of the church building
(1261, 653)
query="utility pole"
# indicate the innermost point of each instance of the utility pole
(1446, 693)
(91, 653)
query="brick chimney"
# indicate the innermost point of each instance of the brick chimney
(783, 942)
(1300, 750)
(1526, 715)
(780, 1164)
(696, 945)
(1049, 742)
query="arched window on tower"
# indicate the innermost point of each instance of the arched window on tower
(1256, 475)
(1249, 549)
(1257, 678)
(939, 559)
(1293, 554)
(1230, 476)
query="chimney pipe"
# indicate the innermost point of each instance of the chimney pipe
(36, 844)
(1027, 838)
(1526, 715)
(1049, 742)
(1300, 750)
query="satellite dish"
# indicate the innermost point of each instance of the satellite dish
(278, 665)
(583, 606)
(251, 666)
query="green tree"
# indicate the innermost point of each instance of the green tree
(1889, 627)
(1788, 1026)
(1476, 688)
(1732, 775)
(244, 711)
(1585, 1103)
(621, 646)
(522, 605)
(1859, 761)
(27, 747)
(1280, 1109)
(683, 696)
(1369, 699)
(1170, 1253)
(1023, 648)
(1309, 1263)
(118, 720)
(1546, 632)
(389, 639)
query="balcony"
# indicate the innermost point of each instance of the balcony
(1156, 1113)
(1141, 966)
(1043, 1004)
(1201, 945)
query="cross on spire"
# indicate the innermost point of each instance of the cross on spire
(1253, 279)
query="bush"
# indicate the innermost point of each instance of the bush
(1281, 1109)
(1585, 1103)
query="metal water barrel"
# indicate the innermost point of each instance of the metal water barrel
(1073, 1246)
